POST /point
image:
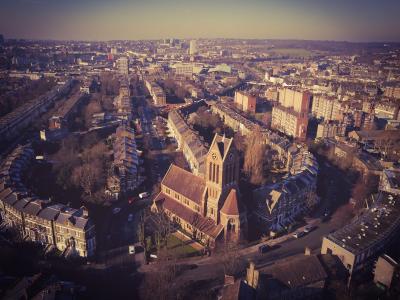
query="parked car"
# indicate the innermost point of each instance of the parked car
(309, 228)
(144, 195)
(263, 248)
(298, 234)
(116, 210)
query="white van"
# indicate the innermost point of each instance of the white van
(144, 195)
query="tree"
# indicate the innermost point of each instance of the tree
(254, 157)
(85, 176)
(364, 187)
(229, 257)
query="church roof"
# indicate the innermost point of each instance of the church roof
(232, 206)
(185, 183)
(203, 224)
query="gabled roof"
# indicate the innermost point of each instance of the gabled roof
(204, 224)
(184, 183)
(232, 206)
(223, 144)
(298, 272)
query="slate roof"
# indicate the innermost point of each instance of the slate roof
(185, 183)
(293, 273)
(205, 225)
(232, 205)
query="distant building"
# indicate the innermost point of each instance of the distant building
(122, 65)
(156, 92)
(289, 122)
(193, 47)
(246, 101)
(326, 108)
(392, 92)
(291, 115)
(185, 70)
(330, 130)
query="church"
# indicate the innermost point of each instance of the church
(207, 209)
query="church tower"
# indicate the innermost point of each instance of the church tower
(222, 174)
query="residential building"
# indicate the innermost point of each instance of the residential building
(360, 242)
(289, 122)
(189, 142)
(156, 92)
(122, 65)
(326, 108)
(53, 225)
(330, 130)
(193, 47)
(245, 101)
(290, 116)
(278, 204)
(124, 175)
(12, 124)
(386, 269)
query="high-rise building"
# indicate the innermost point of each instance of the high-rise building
(290, 116)
(193, 47)
(122, 65)
(246, 101)
(327, 108)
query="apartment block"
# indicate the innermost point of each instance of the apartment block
(326, 108)
(245, 101)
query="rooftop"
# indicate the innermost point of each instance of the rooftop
(371, 228)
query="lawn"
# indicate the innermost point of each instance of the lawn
(180, 247)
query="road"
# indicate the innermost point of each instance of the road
(206, 268)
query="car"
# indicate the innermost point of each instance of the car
(263, 248)
(298, 234)
(309, 228)
(130, 217)
(132, 200)
(116, 210)
(144, 195)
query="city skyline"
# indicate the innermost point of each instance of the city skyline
(359, 21)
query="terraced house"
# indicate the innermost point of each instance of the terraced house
(53, 225)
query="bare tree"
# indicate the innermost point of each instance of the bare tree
(85, 176)
(228, 256)
(254, 157)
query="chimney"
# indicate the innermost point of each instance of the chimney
(85, 212)
(252, 275)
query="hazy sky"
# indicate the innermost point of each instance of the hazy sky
(352, 20)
